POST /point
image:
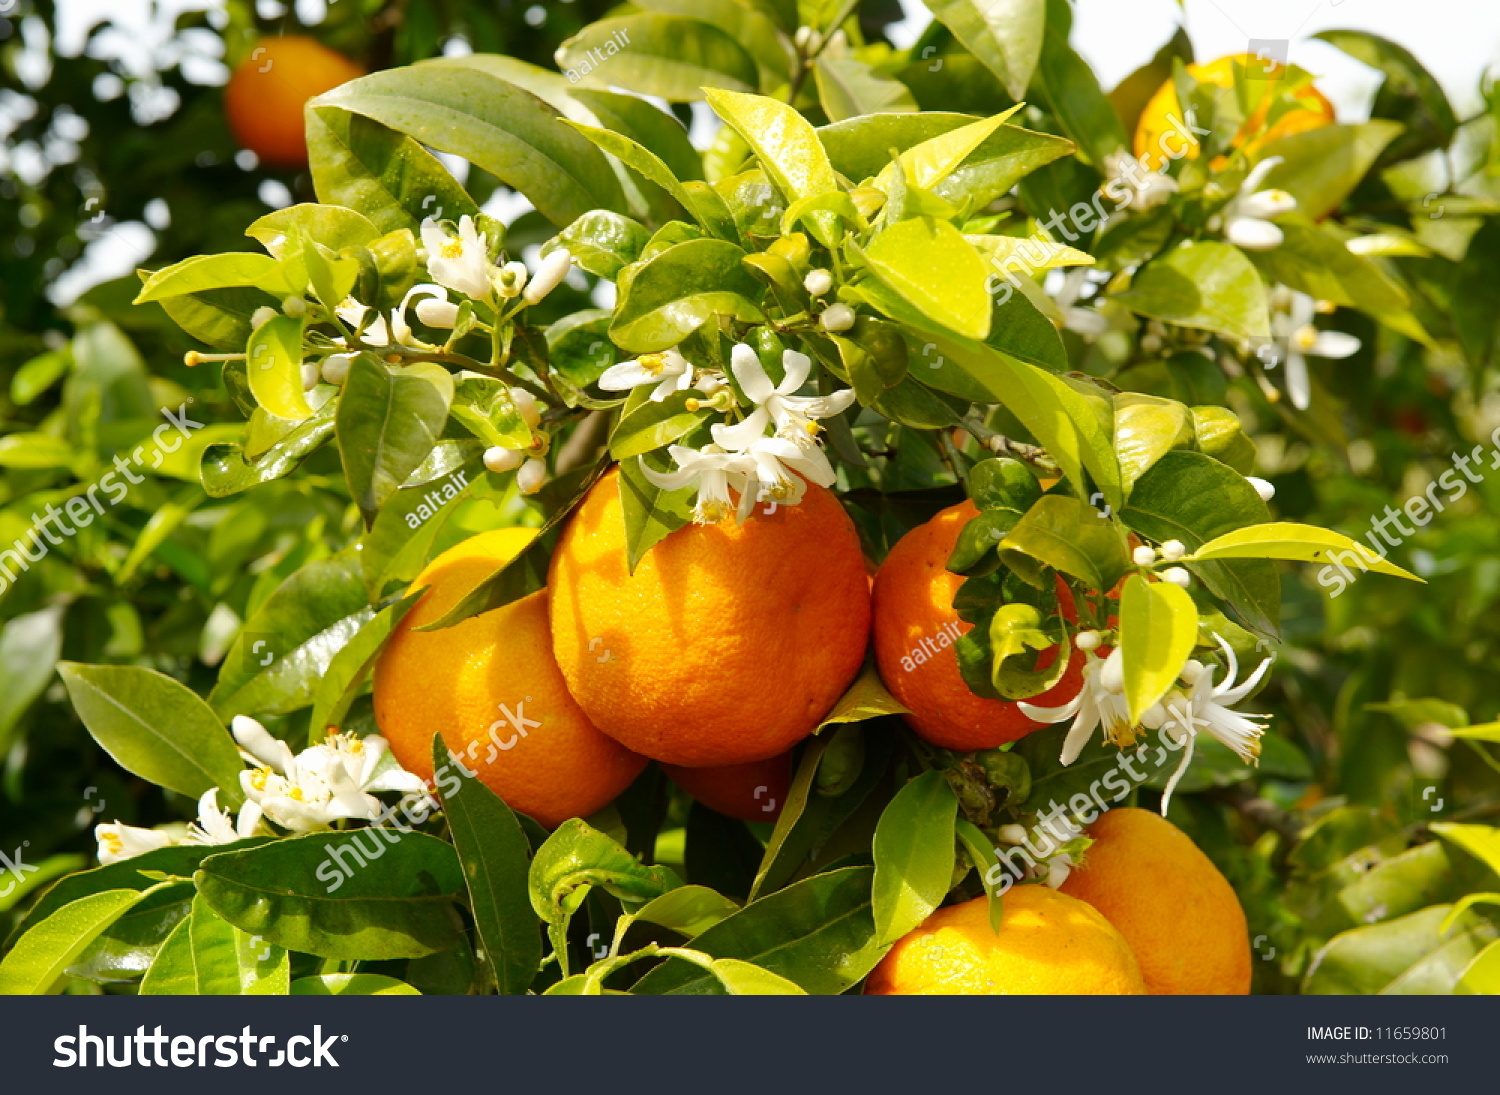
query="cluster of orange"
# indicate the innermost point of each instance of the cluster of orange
(726, 647)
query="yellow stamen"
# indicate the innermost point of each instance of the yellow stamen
(1306, 337)
(453, 249)
(654, 364)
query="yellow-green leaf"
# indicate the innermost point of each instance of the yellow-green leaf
(929, 262)
(1158, 627)
(932, 161)
(1298, 543)
(273, 363)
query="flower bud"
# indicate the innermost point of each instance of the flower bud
(264, 314)
(1178, 576)
(526, 406)
(1087, 640)
(1057, 872)
(310, 374)
(510, 279)
(1143, 556)
(532, 475)
(818, 282)
(437, 313)
(500, 460)
(1266, 490)
(1173, 550)
(837, 317)
(336, 368)
(1012, 834)
(295, 307)
(549, 275)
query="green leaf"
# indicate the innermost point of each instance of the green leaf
(818, 933)
(1482, 976)
(930, 264)
(577, 858)
(273, 363)
(497, 126)
(1480, 841)
(1148, 427)
(1069, 535)
(982, 854)
(230, 270)
(1296, 542)
(649, 425)
(1013, 630)
(848, 88)
(1411, 955)
(339, 685)
(788, 148)
(1410, 94)
(351, 984)
(495, 857)
(1191, 497)
(36, 965)
(602, 242)
(172, 971)
(670, 295)
(747, 979)
(651, 513)
(702, 201)
(156, 728)
(333, 226)
(1206, 284)
(670, 56)
(389, 178)
(1321, 167)
(753, 29)
(913, 856)
(388, 422)
(287, 644)
(228, 962)
(1072, 94)
(366, 894)
(1006, 35)
(867, 698)
(30, 645)
(226, 471)
(1158, 629)
(687, 910)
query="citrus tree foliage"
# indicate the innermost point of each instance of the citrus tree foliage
(979, 289)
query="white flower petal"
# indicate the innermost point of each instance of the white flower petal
(751, 374)
(1334, 344)
(1253, 234)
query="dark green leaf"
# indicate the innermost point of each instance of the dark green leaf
(913, 856)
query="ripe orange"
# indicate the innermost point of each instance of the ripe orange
(751, 792)
(264, 97)
(491, 686)
(1179, 914)
(729, 642)
(1049, 944)
(1163, 132)
(915, 627)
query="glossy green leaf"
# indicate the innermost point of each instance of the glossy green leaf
(1208, 285)
(348, 669)
(649, 424)
(866, 698)
(366, 894)
(156, 728)
(982, 854)
(1411, 955)
(1146, 429)
(913, 856)
(1069, 535)
(231, 270)
(670, 295)
(705, 205)
(286, 645)
(388, 422)
(273, 362)
(670, 56)
(333, 226)
(602, 242)
(173, 971)
(848, 88)
(1191, 497)
(497, 126)
(30, 645)
(930, 264)
(226, 470)
(747, 979)
(1071, 92)
(1321, 167)
(1006, 35)
(818, 933)
(394, 182)
(687, 910)
(351, 984)
(227, 962)
(35, 965)
(1482, 975)
(1296, 542)
(495, 857)
(651, 513)
(1158, 629)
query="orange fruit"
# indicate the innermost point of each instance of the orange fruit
(728, 644)
(751, 792)
(492, 688)
(915, 627)
(1179, 914)
(264, 97)
(1048, 944)
(1163, 132)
